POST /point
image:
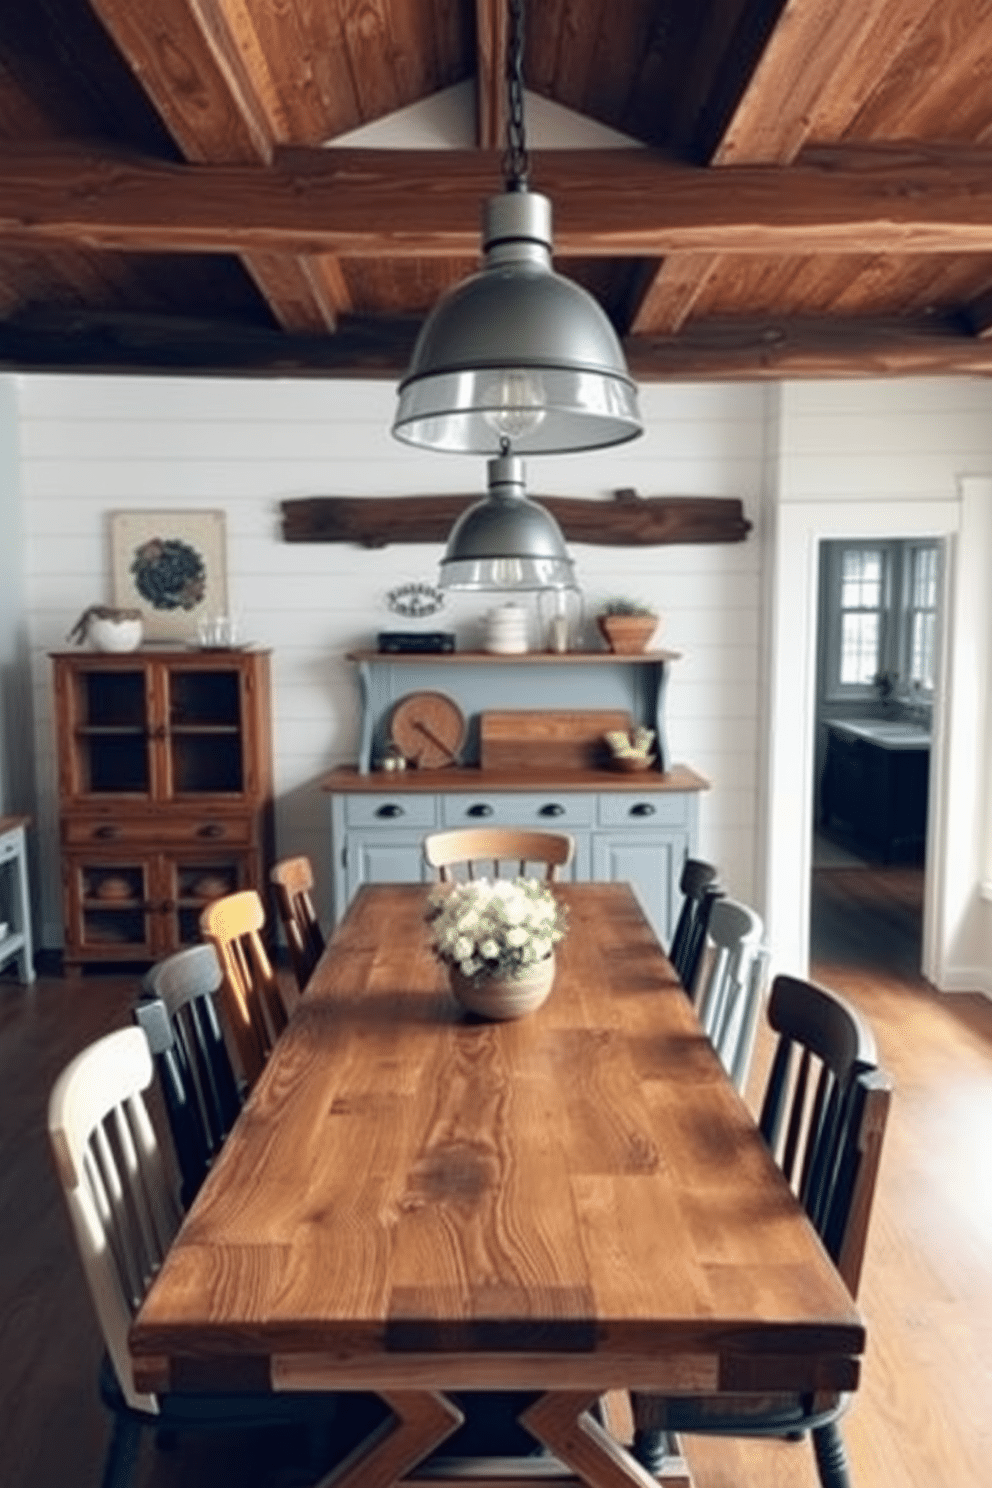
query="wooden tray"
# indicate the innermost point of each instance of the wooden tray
(572, 739)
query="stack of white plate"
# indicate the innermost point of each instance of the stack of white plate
(506, 629)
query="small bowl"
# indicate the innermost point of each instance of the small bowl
(630, 764)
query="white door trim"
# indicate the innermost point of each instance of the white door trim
(800, 527)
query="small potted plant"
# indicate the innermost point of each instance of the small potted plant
(627, 625)
(497, 938)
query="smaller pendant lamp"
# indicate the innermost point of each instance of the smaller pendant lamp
(517, 355)
(506, 541)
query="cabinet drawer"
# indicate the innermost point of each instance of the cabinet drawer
(400, 810)
(160, 831)
(556, 811)
(652, 809)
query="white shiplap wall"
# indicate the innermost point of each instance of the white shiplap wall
(90, 446)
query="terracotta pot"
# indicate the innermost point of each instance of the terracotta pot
(627, 634)
(506, 996)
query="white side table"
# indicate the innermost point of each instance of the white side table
(15, 903)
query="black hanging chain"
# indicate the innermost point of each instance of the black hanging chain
(515, 163)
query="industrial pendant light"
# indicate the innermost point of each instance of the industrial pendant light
(517, 357)
(506, 541)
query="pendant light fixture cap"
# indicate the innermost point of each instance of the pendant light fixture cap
(506, 541)
(517, 354)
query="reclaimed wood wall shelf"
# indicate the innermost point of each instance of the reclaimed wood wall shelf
(626, 520)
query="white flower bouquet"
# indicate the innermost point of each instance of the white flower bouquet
(488, 927)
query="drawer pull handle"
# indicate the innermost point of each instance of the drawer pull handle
(481, 808)
(212, 829)
(391, 809)
(553, 808)
(643, 808)
(107, 832)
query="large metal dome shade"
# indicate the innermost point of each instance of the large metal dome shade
(516, 354)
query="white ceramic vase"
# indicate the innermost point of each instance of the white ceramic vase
(507, 995)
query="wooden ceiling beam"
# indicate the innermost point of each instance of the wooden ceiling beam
(797, 69)
(203, 70)
(412, 203)
(74, 340)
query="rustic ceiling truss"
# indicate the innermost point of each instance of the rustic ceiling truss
(809, 193)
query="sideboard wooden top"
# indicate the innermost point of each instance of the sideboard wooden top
(472, 780)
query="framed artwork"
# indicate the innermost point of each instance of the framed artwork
(172, 566)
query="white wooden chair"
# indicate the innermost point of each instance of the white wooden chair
(124, 1216)
(475, 852)
(729, 997)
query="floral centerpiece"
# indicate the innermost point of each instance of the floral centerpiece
(497, 937)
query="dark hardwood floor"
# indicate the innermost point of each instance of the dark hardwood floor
(923, 1417)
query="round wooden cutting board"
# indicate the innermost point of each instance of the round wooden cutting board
(428, 728)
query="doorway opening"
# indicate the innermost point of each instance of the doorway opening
(879, 619)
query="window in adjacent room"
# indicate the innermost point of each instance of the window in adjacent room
(879, 619)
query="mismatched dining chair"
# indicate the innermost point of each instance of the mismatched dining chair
(823, 1116)
(292, 881)
(474, 852)
(254, 1010)
(728, 998)
(178, 1012)
(700, 892)
(124, 1216)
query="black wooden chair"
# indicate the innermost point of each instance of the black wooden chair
(823, 1116)
(700, 892)
(178, 1013)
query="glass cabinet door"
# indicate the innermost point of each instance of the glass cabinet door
(205, 734)
(112, 903)
(112, 733)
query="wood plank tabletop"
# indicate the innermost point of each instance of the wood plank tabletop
(415, 1199)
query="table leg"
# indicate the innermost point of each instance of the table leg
(563, 1421)
(423, 1420)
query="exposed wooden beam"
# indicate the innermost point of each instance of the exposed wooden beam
(72, 340)
(771, 123)
(626, 521)
(383, 203)
(205, 73)
(490, 71)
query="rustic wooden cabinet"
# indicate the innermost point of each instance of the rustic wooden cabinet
(165, 790)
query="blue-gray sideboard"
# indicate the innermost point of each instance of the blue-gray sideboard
(633, 827)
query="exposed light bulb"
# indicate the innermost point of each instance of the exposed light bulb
(516, 405)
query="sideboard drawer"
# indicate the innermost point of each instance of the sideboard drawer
(652, 809)
(405, 809)
(553, 811)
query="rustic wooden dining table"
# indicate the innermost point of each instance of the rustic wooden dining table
(415, 1203)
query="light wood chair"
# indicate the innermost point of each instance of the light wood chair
(253, 1005)
(124, 1216)
(292, 881)
(178, 1012)
(823, 1116)
(482, 851)
(728, 999)
(700, 892)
